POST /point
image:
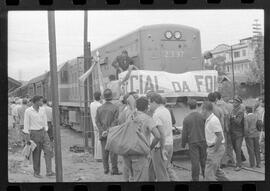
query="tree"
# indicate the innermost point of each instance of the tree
(256, 73)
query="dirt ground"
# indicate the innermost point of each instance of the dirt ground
(81, 167)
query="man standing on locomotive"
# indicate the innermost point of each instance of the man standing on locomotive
(115, 85)
(122, 62)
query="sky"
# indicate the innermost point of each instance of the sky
(28, 44)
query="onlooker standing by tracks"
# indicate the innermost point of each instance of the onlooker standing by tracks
(193, 133)
(252, 136)
(35, 126)
(227, 108)
(138, 165)
(93, 109)
(21, 111)
(218, 112)
(215, 142)
(161, 155)
(106, 117)
(237, 130)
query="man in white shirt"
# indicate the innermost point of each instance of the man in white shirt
(163, 151)
(36, 127)
(93, 109)
(215, 142)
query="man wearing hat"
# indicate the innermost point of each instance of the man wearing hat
(237, 129)
(106, 117)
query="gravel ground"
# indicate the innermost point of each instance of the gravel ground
(81, 167)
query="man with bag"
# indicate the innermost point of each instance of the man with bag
(138, 164)
(107, 117)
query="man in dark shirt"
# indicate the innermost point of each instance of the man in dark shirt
(121, 63)
(237, 130)
(106, 117)
(194, 134)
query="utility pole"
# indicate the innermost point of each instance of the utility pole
(86, 67)
(233, 72)
(90, 95)
(257, 38)
(54, 86)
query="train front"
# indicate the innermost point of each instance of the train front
(171, 48)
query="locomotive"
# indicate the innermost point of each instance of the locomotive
(165, 47)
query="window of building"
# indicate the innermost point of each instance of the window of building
(228, 69)
(244, 52)
(236, 54)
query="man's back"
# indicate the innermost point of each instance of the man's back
(107, 116)
(250, 125)
(148, 124)
(162, 117)
(193, 125)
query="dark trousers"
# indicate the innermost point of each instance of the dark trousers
(41, 139)
(50, 130)
(237, 145)
(253, 148)
(105, 158)
(198, 154)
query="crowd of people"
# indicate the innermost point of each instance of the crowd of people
(212, 131)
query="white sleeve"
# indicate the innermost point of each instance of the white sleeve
(216, 126)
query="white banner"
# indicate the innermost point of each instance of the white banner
(194, 83)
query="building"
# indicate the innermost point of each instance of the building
(242, 54)
(13, 84)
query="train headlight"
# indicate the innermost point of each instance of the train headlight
(168, 34)
(177, 35)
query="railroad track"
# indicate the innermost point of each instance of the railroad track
(187, 169)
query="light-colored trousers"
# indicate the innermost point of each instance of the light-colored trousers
(213, 172)
(136, 168)
(159, 169)
(97, 147)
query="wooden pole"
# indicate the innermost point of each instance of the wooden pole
(54, 88)
(85, 119)
(90, 96)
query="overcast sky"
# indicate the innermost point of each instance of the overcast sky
(28, 46)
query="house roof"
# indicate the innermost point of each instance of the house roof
(14, 81)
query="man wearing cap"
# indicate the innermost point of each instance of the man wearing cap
(215, 142)
(227, 109)
(237, 130)
(106, 117)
